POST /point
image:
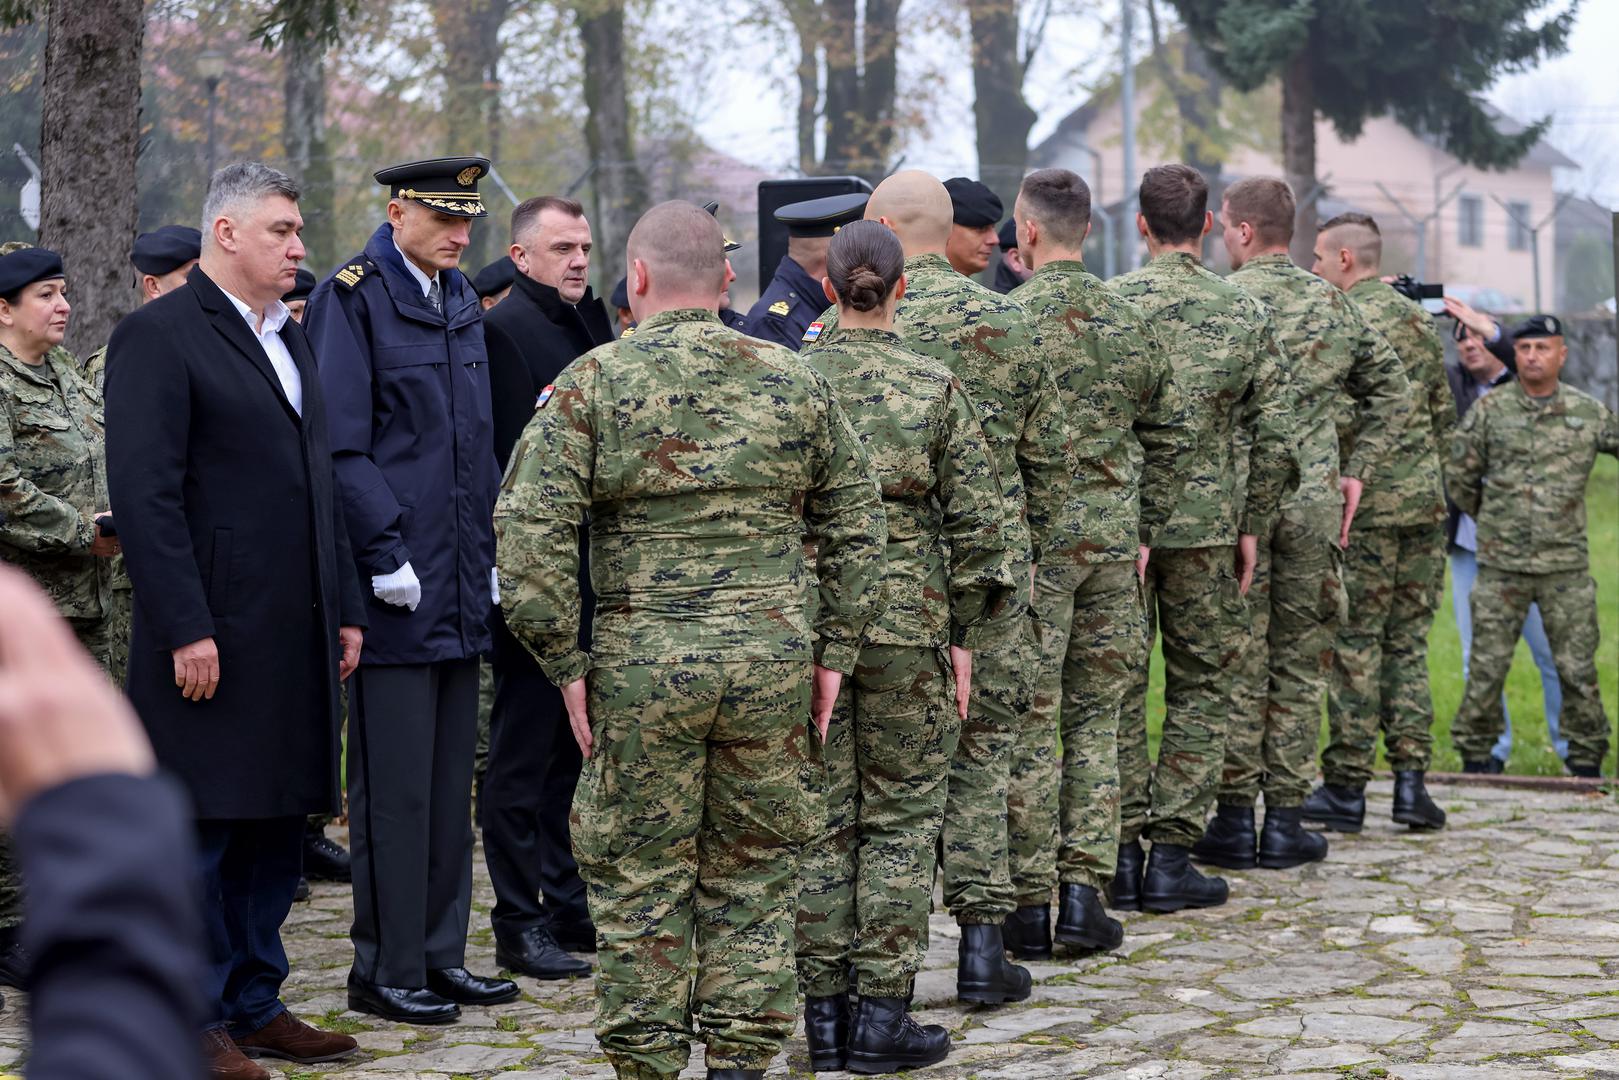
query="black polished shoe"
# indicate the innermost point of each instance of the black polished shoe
(1412, 805)
(461, 986)
(1082, 923)
(1338, 807)
(1171, 882)
(1229, 839)
(1490, 766)
(300, 892)
(826, 1028)
(884, 1038)
(1124, 891)
(574, 936)
(409, 1005)
(1594, 771)
(983, 974)
(736, 1074)
(1284, 842)
(1026, 933)
(536, 953)
(324, 858)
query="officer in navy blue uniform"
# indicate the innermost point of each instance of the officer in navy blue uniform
(398, 333)
(793, 299)
(731, 317)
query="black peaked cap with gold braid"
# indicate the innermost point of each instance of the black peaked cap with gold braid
(448, 185)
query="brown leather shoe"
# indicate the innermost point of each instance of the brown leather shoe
(290, 1039)
(226, 1061)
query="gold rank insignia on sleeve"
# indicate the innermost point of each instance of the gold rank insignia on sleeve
(780, 307)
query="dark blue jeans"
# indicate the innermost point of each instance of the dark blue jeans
(248, 871)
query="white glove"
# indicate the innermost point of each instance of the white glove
(494, 586)
(401, 588)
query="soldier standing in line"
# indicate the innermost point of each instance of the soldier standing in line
(1394, 572)
(1519, 465)
(787, 308)
(1297, 599)
(693, 705)
(866, 882)
(974, 210)
(164, 257)
(1226, 365)
(988, 342)
(1130, 434)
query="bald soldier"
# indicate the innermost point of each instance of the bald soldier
(693, 705)
(988, 342)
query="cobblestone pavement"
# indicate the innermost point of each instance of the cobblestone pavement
(1489, 951)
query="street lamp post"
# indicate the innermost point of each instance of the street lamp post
(211, 66)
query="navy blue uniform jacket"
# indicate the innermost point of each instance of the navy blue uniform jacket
(407, 393)
(803, 297)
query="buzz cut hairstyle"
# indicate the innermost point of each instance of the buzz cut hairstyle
(1060, 200)
(684, 246)
(239, 184)
(1174, 199)
(1266, 203)
(527, 213)
(1360, 235)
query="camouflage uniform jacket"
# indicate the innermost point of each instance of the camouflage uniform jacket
(1227, 367)
(95, 368)
(703, 458)
(988, 342)
(1125, 417)
(53, 479)
(1329, 352)
(1520, 465)
(1404, 485)
(949, 569)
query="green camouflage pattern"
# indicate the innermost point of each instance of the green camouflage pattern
(1520, 465)
(1192, 596)
(53, 480)
(95, 368)
(1394, 579)
(866, 880)
(1297, 601)
(949, 573)
(1568, 608)
(703, 458)
(1126, 419)
(688, 823)
(1063, 815)
(1228, 371)
(11, 888)
(1403, 487)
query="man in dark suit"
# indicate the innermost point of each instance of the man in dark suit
(248, 611)
(399, 333)
(550, 318)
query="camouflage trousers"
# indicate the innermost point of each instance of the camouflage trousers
(1063, 816)
(688, 824)
(1395, 578)
(1568, 609)
(973, 843)
(120, 614)
(1192, 597)
(1298, 601)
(867, 879)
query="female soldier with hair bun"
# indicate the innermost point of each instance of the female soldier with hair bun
(862, 922)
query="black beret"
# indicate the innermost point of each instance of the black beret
(496, 277)
(301, 288)
(1008, 234)
(166, 249)
(448, 184)
(823, 216)
(975, 205)
(621, 293)
(22, 268)
(1536, 326)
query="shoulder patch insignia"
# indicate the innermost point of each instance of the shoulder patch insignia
(545, 396)
(350, 275)
(780, 307)
(813, 331)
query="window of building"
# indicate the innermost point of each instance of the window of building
(1518, 226)
(1470, 221)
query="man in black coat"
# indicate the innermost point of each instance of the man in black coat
(248, 612)
(550, 318)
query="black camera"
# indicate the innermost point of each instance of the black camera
(1419, 291)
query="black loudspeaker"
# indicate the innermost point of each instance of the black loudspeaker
(775, 194)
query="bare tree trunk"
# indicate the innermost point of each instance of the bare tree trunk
(807, 23)
(1298, 152)
(1196, 89)
(845, 119)
(470, 33)
(91, 125)
(880, 59)
(303, 140)
(1002, 116)
(620, 186)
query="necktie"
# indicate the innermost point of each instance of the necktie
(435, 295)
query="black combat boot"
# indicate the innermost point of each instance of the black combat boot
(1412, 806)
(1172, 882)
(1581, 770)
(736, 1074)
(1285, 842)
(1081, 922)
(983, 974)
(1027, 932)
(885, 1039)
(1490, 766)
(1124, 891)
(1337, 806)
(1229, 839)
(826, 1027)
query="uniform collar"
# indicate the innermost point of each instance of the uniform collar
(1553, 404)
(1272, 259)
(799, 279)
(864, 333)
(42, 374)
(673, 316)
(1176, 259)
(927, 264)
(424, 281)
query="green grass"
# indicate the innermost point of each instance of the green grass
(1531, 749)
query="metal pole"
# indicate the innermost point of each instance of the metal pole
(1127, 101)
(1534, 234)
(213, 98)
(1534, 253)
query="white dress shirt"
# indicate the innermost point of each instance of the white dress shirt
(267, 329)
(422, 279)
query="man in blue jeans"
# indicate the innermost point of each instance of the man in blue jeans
(1485, 352)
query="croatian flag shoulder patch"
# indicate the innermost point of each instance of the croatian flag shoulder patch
(545, 395)
(813, 331)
